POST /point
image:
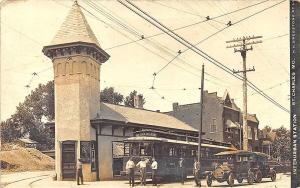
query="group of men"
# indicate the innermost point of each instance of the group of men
(141, 165)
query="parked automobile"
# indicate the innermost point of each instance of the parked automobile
(240, 165)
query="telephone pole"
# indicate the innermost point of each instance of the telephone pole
(201, 115)
(242, 44)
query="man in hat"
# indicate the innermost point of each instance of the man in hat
(130, 170)
(79, 172)
(181, 170)
(154, 171)
(142, 165)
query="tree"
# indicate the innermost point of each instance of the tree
(282, 144)
(129, 100)
(267, 128)
(109, 95)
(30, 117)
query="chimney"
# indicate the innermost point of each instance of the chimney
(138, 101)
(175, 106)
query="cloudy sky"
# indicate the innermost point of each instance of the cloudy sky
(26, 26)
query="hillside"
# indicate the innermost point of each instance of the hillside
(25, 159)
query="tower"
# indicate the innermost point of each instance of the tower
(77, 57)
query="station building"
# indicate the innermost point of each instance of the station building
(86, 128)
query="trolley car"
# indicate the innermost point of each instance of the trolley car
(168, 148)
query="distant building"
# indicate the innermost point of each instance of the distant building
(222, 119)
(26, 143)
(266, 141)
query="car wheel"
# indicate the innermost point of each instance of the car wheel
(250, 178)
(240, 179)
(273, 175)
(230, 180)
(258, 176)
(209, 180)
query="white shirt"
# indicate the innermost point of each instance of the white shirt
(142, 164)
(154, 165)
(129, 164)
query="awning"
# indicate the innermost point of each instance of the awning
(239, 152)
(144, 138)
(231, 124)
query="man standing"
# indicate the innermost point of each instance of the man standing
(154, 171)
(79, 172)
(130, 170)
(196, 170)
(181, 170)
(142, 165)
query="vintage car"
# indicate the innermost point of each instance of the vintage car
(240, 165)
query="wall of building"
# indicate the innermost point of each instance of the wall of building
(105, 150)
(213, 109)
(76, 102)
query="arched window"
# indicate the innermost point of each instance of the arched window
(58, 69)
(76, 66)
(68, 68)
(83, 67)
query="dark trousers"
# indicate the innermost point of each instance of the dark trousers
(131, 176)
(79, 175)
(197, 177)
(154, 180)
(182, 177)
(143, 176)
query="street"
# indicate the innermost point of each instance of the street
(44, 179)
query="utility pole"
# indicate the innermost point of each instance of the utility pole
(201, 115)
(243, 44)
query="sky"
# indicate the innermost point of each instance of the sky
(28, 25)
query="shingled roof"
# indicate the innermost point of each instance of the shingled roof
(141, 116)
(75, 28)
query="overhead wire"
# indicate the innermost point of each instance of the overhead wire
(196, 23)
(272, 87)
(184, 11)
(94, 7)
(198, 51)
(208, 37)
(275, 37)
(112, 18)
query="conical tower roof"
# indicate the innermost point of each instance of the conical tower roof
(75, 28)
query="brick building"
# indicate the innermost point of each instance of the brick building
(222, 119)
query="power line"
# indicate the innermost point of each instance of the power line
(198, 51)
(189, 25)
(184, 11)
(274, 86)
(279, 36)
(161, 49)
(230, 24)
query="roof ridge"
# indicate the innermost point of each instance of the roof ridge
(134, 107)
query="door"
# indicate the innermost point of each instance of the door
(68, 160)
